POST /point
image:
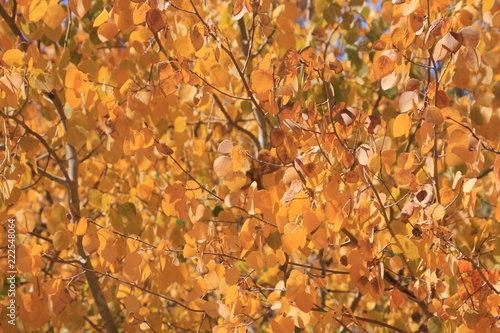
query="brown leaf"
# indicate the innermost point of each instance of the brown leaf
(424, 196)
(472, 59)
(442, 99)
(379, 45)
(412, 84)
(452, 41)
(336, 66)
(163, 149)
(155, 20)
(197, 39)
(277, 137)
(269, 163)
(373, 124)
(347, 116)
(434, 116)
(470, 36)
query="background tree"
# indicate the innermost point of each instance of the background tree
(283, 166)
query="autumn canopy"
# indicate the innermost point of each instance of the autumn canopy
(250, 166)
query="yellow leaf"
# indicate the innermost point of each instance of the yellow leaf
(402, 125)
(310, 221)
(101, 18)
(13, 57)
(61, 240)
(488, 5)
(25, 221)
(235, 181)
(81, 227)
(290, 243)
(237, 155)
(55, 15)
(410, 249)
(232, 294)
(180, 124)
(145, 158)
(38, 9)
(456, 154)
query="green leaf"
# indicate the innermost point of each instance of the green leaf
(217, 210)
(435, 325)
(332, 13)
(274, 240)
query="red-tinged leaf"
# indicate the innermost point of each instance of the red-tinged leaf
(464, 266)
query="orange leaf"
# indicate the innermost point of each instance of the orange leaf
(107, 31)
(383, 66)
(262, 81)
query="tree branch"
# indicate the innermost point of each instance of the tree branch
(235, 124)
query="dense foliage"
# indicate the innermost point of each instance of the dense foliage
(277, 166)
